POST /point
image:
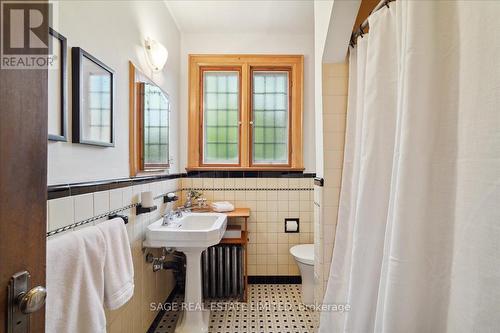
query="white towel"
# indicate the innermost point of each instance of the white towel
(222, 206)
(118, 267)
(75, 282)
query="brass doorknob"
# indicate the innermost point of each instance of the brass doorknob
(32, 300)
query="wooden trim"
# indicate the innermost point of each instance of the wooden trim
(239, 212)
(204, 69)
(290, 115)
(295, 63)
(259, 168)
(136, 132)
(365, 8)
(245, 116)
(242, 240)
(133, 123)
(193, 118)
(139, 90)
(245, 214)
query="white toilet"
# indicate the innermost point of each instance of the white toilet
(304, 255)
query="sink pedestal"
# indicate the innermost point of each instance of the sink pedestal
(194, 318)
(191, 233)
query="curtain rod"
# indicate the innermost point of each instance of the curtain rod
(360, 31)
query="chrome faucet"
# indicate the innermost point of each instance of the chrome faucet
(169, 217)
(173, 214)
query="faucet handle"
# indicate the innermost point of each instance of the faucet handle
(178, 211)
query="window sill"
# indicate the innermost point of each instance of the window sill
(158, 172)
(229, 168)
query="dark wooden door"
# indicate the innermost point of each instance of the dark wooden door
(23, 181)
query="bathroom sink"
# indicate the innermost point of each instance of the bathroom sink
(199, 230)
(192, 234)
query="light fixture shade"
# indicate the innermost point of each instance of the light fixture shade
(157, 54)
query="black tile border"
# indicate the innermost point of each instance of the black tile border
(162, 312)
(248, 189)
(250, 174)
(66, 190)
(274, 279)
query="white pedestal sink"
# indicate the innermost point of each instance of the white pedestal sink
(192, 234)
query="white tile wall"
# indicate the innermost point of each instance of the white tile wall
(116, 199)
(150, 287)
(335, 83)
(60, 212)
(84, 206)
(101, 202)
(268, 248)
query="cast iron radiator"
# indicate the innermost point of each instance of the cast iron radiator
(222, 271)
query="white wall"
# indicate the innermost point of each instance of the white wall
(114, 32)
(252, 44)
(322, 14)
(340, 25)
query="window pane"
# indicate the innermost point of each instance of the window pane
(156, 109)
(270, 114)
(220, 117)
(232, 135)
(97, 100)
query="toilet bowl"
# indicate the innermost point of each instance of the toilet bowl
(304, 256)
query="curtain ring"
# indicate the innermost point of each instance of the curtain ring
(361, 32)
(352, 39)
(387, 4)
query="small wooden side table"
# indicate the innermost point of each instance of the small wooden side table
(243, 240)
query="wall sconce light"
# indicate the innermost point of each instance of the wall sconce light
(157, 54)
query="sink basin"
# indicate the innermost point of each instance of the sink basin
(191, 230)
(192, 234)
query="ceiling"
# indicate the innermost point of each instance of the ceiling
(243, 16)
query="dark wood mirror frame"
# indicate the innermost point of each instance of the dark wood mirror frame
(63, 76)
(77, 57)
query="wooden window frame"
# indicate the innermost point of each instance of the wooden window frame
(204, 69)
(136, 131)
(290, 115)
(246, 63)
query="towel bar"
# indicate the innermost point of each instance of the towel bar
(123, 217)
(110, 215)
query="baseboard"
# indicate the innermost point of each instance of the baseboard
(274, 279)
(161, 313)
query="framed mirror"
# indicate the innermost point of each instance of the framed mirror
(93, 100)
(149, 125)
(57, 88)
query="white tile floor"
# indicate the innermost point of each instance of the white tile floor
(271, 308)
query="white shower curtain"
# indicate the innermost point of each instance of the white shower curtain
(417, 246)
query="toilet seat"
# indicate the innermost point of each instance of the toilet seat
(303, 253)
